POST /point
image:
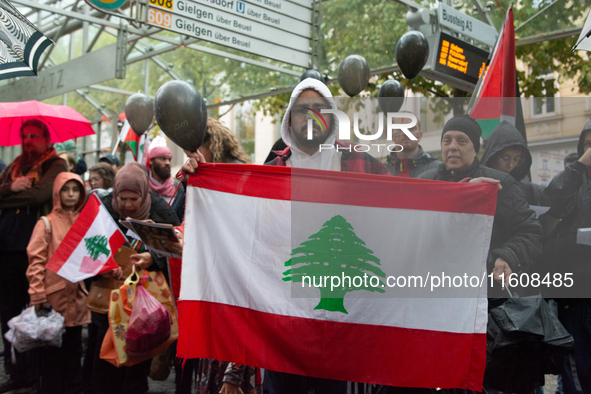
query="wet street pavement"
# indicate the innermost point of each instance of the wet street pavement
(156, 387)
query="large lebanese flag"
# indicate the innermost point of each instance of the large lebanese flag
(89, 246)
(252, 233)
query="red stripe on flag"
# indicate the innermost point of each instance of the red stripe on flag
(75, 234)
(495, 96)
(342, 351)
(509, 70)
(346, 188)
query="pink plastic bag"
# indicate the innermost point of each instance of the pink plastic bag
(149, 324)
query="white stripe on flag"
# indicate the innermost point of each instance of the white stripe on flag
(246, 268)
(72, 268)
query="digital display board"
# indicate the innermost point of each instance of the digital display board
(459, 59)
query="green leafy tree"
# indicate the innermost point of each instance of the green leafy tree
(97, 245)
(335, 250)
(552, 54)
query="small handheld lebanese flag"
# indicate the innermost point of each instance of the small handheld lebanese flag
(89, 246)
(337, 275)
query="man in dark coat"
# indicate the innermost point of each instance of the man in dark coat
(516, 234)
(26, 187)
(507, 152)
(570, 195)
(412, 161)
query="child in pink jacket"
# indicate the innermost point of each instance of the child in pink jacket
(60, 368)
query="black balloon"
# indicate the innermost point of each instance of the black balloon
(312, 74)
(353, 74)
(139, 111)
(412, 53)
(181, 114)
(391, 96)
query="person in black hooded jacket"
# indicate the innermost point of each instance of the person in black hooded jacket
(506, 151)
(516, 234)
(570, 195)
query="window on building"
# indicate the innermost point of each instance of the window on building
(245, 127)
(545, 105)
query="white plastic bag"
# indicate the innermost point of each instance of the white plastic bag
(28, 331)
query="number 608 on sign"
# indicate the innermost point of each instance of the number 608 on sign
(160, 18)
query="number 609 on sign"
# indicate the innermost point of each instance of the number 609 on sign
(160, 18)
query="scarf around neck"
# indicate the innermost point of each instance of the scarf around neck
(164, 189)
(34, 171)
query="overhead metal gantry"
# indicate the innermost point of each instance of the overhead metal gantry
(60, 19)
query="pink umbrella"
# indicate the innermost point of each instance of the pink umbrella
(64, 122)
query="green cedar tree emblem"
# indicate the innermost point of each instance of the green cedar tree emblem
(335, 250)
(97, 245)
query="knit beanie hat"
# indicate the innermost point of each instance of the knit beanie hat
(466, 125)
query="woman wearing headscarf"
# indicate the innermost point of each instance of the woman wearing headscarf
(130, 198)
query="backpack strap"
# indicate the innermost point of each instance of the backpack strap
(47, 227)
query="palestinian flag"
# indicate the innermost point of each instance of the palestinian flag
(337, 275)
(89, 246)
(129, 138)
(496, 96)
(142, 157)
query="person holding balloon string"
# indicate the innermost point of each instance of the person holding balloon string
(219, 146)
(303, 153)
(300, 153)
